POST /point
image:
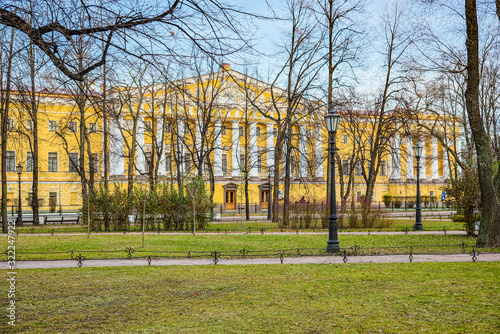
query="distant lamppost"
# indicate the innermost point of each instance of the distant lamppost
(332, 123)
(19, 170)
(417, 151)
(269, 205)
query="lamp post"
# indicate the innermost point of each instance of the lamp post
(269, 205)
(332, 123)
(19, 170)
(417, 152)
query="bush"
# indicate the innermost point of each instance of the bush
(162, 206)
(458, 218)
(387, 199)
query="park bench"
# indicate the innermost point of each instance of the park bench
(61, 219)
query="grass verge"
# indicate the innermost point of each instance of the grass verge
(312, 298)
(48, 247)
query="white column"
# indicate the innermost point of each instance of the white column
(283, 157)
(423, 168)
(460, 148)
(302, 151)
(104, 143)
(218, 149)
(409, 158)
(434, 159)
(270, 145)
(446, 164)
(140, 162)
(236, 148)
(180, 145)
(397, 156)
(319, 153)
(162, 168)
(198, 144)
(254, 171)
(116, 152)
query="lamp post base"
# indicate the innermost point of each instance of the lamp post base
(333, 246)
(418, 227)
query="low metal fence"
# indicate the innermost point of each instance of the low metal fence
(80, 256)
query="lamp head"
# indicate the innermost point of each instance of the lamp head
(417, 150)
(332, 121)
(19, 169)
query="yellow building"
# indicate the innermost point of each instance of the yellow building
(207, 126)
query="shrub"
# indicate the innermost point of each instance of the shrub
(387, 199)
(161, 206)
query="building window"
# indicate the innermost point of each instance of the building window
(168, 127)
(73, 162)
(345, 139)
(29, 161)
(259, 163)
(73, 127)
(275, 132)
(293, 166)
(241, 131)
(383, 168)
(149, 161)
(359, 168)
(242, 160)
(224, 163)
(187, 162)
(223, 129)
(258, 132)
(168, 160)
(53, 162)
(94, 160)
(29, 125)
(52, 126)
(10, 124)
(345, 167)
(129, 124)
(92, 127)
(148, 126)
(10, 161)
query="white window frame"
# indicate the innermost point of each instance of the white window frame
(11, 123)
(77, 162)
(73, 126)
(29, 161)
(7, 158)
(92, 127)
(30, 126)
(52, 126)
(49, 163)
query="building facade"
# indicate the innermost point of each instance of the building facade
(206, 127)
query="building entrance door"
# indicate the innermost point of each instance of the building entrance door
(230, 199)
(264, 199)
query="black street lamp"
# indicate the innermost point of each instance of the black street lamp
(417, 151)
(332, 123)
(19, 170)
(269, 205)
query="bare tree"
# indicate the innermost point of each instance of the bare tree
(489, 231)
(6, 57)
(381, 114)
(56, 24)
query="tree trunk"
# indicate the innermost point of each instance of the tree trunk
(34, 117)
(6, 105)
(489, 231)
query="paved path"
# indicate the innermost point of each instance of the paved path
(255, 231)
(276, 260)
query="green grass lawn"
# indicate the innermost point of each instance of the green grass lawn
(394, 225)
(312, 298)
(155, 244)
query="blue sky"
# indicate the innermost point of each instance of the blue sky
(269, 30)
